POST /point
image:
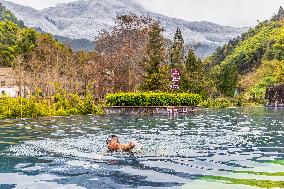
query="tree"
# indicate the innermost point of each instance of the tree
(279, 16)
(14, 41)
(192, 63)
(123, 51)
(51, 64)
(226, 78)
(8, 40)
(176, 51)
(26, 40)
(8, 15)
(192, 76)
(155, 76)
(280, 72)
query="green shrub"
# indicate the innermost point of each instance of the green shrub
(153, 99)
(223, 102)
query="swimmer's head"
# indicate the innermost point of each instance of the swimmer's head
(112, 138)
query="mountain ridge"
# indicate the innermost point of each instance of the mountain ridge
(93, 16)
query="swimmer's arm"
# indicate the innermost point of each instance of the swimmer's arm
(127, 147)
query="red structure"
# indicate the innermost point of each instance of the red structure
(175, 73)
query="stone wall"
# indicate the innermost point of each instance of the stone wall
(154, 110)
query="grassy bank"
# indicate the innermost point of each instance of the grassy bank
(227, 102)
(58, 105)
(249, 182)
(72, 104)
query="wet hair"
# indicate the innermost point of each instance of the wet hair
(110, 138)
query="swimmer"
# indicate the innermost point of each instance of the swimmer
(114, 145)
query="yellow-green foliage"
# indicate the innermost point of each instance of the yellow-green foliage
(267, 40)
(153, 99)
(223, 102)
(269, 73)
(248, 182)
(226, 78)
(259, 173)
(278, 162)
(59, 105)
(14, 41)
(249, 54)
(8, 15)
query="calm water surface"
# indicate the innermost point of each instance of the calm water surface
(212, 149)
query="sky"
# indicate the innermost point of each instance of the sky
(238, 13)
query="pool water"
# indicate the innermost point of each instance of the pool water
(212, 149)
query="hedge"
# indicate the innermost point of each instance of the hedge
(153, 99)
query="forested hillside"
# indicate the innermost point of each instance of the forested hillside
(15, 38)
(252, 61)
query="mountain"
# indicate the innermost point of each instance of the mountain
(86, 18)
(77, 44)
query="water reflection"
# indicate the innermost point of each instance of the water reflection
(237, 145)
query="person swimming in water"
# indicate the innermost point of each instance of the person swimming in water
(114, 145)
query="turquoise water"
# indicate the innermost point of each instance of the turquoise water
(212, 149)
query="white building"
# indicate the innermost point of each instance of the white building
(9, 91)
(8, 84)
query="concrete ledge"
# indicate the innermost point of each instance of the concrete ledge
(149, 110)
(275, 105)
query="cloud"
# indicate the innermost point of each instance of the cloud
(226, 12)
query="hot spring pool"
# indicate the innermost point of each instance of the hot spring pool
(212, 149)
